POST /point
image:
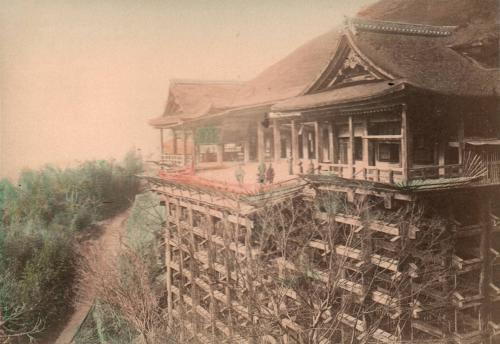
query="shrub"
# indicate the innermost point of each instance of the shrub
(39, 218)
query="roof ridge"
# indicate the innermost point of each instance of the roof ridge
(177, 81)
(363, 24)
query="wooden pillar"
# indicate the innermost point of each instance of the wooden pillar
(220, 153)
(406, 150)
(305, 144)
(460, 137)
(179, 233)
(184, 147)
(295, 142)
(246, 152)
(485, 254)
(211, 273)
(317, 142)
(366, 161)
(249, 283)
(261, 148)
(168, 257)
(193, 269)
(162, 144)
(277, 141)
(442, 157)
(174, 142)
(331, 138)
(227, 260)
(350, 150)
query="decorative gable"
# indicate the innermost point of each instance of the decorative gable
(352, 70)
(347, 67)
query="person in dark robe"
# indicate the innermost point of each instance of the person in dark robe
(261, 173)
(270, 174)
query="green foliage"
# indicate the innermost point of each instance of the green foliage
(144, 225)
(105, 325)
(207, 136)
(39, 218)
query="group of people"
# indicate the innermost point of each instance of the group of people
(265, 175)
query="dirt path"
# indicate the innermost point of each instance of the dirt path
(108, 243)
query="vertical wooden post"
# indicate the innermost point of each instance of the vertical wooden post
(331, 153)
(220, 153)
(162, 144)
(317, 142)
(485, 255)
(174, 142)
(211, 273)
(442, 157)
(406, 150)
(305, 144)
(335, 145)
(460, 138)
(249, 279)
(227, 260)
(184, 147)
(350, 150)
(366, 161)
(261, 148)
(193, 270)
(246, 152)
(277, 141)
(295, 142)
(180, 286)
(179, 231)
(168, 257)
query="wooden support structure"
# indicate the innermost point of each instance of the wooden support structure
(317, 142)
(214, 279)
(211, 273)
(174, 142)
(305, 143)
(246, 152)
(261, 145)
(295, 141)
(168, 258)
(350, 150)
(331, 142)
(220, 153)
(366, 143)
(162, 143)
(277, 141)
(460, 138)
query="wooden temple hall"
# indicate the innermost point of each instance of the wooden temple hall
(384, 134)
(415, 109)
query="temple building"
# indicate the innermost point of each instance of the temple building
(394, 108)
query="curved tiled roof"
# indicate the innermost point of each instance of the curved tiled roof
(427, 62)
(339, 96)
(190, 99)
(290, 76)
(410, 39)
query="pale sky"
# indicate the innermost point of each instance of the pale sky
(79, 79)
